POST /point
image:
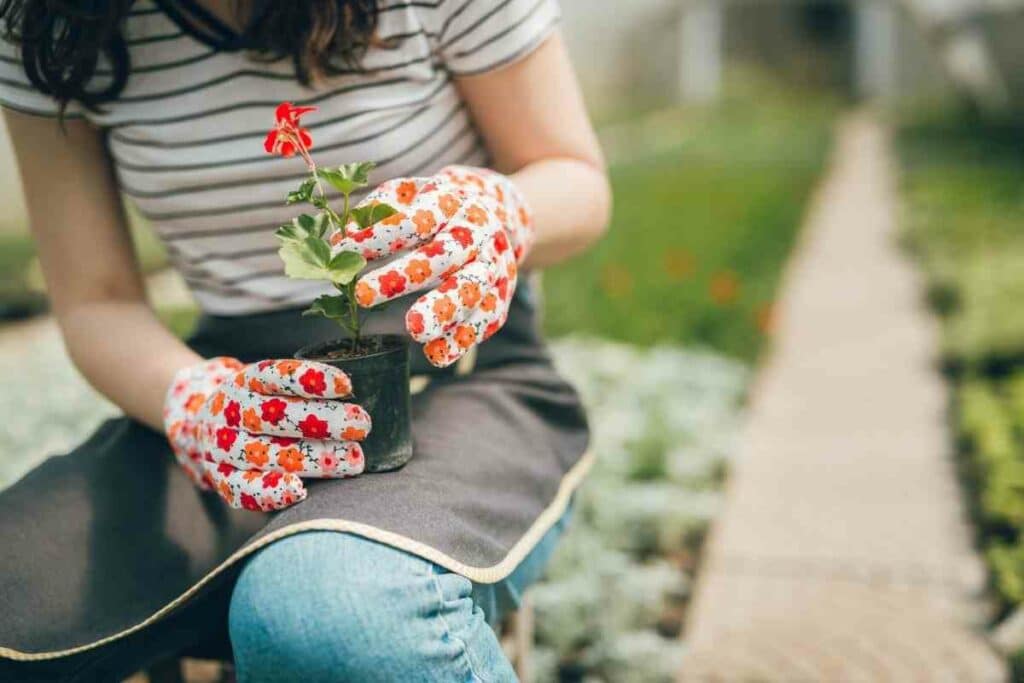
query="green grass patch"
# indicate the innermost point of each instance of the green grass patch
(701, 228)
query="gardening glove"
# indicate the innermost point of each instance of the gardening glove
(464, 231)
(251, 432)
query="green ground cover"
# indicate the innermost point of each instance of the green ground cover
(963, 183)
(701, 228)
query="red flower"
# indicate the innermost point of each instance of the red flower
(463, 236)
(314, 428)
(270, 479)
(283, 440)
(414, 322)
(288, 137)
(232, 414)
(226, 437)
(448, 285)
(362, 235)
(225, 469)
(434, 248)
(249, 503)
(392, 283)
(273, 410)
(313, 382)
(501, 241)
(503, 288)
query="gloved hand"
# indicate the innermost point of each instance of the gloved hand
(252, 431)
(465, 230)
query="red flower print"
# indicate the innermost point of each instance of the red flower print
(313, 382)
(264, 364)
(434, 248)
(313, 428)
(233, 414)
(364, 293)
(226, 438)
(396, 245)
(273, 410)
(271, 479)
(354, 456)
(362, 235)
(225, 469)
(392, 283)
(502, 286)
(448, 285)
(287, 137)
(501, 241)
(284, 440)
(425, 223)
(405, 192)
(414, 322)
(491, 329)
(463, 236)
(249, 503)
(290, 459)
(418, 270)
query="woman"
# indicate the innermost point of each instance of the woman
(123, 558)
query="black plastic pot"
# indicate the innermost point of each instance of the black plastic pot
(380, 384)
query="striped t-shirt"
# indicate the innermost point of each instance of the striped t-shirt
(186, 134)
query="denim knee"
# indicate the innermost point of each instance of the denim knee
(326, 606)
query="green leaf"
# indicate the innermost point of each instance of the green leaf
(302, 227)
(345, 265)
(331, 306)
(304, 193)
(348, 177)
(318, 252)
(368, 215)
(307, 259)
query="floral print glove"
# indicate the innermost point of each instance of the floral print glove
(464, 231)
(252, 431)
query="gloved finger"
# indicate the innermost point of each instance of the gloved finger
(452, 344)
(253, 489)
(290, 377)
(289, 415)
(451, 303)
(314, 458)
(430, 207)
(182, 437)
(456, 245)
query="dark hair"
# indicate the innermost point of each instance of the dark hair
(61, 41)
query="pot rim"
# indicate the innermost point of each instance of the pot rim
(314, 352)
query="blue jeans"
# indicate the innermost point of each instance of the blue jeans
(329, 606)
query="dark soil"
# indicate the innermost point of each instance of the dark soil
(367, 346)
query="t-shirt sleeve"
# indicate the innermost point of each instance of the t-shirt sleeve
(474, 36)
(18, 93)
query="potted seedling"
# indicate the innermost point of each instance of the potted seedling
(377, 364)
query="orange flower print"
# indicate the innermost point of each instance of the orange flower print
(418, 270)
(394, 219)
(465, 336)
(217, 404)
(405, 192)
(290, 459)
(251, 421)
(476, 215)
(444, 309)
(342, 385)
(448, 204)
(257, 386)
(489, 303)
(353, 434)
(437, 351)
(286, 367)
(240, 380)
(425, 223)
(251, 475)
(469, 293)
(256, 453)
(225, 491)
(364, 294)
(194, 403)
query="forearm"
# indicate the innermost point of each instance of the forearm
(571, 204)
(125, 353)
